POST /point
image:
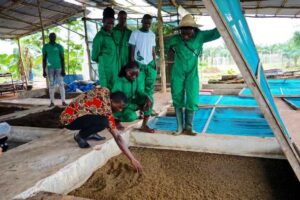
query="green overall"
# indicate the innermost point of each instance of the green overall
(184, 72)
(184, 75)
(105, 53)
(147, 77)
(136, 99)
(122, 38)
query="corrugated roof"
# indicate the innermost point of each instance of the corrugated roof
(252, 8)
(21, 17)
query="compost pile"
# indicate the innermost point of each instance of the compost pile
(44, 119)
(8, 110)
(189, 175)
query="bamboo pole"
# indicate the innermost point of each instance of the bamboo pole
(87, 46)
(21, 66)
(162, 63)
(41, 20)
(68, 50)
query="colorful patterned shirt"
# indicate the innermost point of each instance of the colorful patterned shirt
(93, 102)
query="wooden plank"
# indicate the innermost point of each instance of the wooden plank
(162, 64)
(251, 81)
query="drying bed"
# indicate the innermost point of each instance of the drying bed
(189, 175)
(57, 96)
(44, 119)
(4, 110)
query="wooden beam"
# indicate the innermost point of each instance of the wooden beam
(282, 6)
(251, 81)
(88, 48)
(21, 65)
(41, 21)
(162, 64)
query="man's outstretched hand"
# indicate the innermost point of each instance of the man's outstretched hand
(137, 165)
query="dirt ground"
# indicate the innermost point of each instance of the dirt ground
(7, 110)
(45, 119)
(188, 175)
(57, 96)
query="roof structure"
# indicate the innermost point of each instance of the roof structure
(21, 17)
(251, 8)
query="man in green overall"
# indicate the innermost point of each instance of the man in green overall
(142, 51)
(187, 47)
(105, 51)
(121, 34)
(54, 67)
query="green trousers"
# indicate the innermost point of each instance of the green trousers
(147, 77)
(129, 112)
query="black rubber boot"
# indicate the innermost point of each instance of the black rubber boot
(82, 143)
(96, 137)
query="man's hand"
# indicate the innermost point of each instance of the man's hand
(148, 104)
(63, 73)
(44, 74)
(137, 165)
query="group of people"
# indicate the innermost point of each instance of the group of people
(127, 75)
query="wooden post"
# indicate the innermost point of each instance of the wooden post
(162, 64)
(21, 66)
(87, 47)
(68, 56)
(41, 21)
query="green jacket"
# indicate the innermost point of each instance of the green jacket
(122, 38)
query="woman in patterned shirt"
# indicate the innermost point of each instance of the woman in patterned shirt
(91, 112)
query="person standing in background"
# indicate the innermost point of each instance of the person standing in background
(122, 34)
(54, 64)
(105, 51)
(142, 43)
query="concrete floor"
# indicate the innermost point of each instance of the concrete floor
(22, 167)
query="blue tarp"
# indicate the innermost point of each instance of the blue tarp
(70, 78)
(231, 101)
(84, 87)
(242, 122)
(232, 14)
(293, 101)
(226, 121)
(170, 124)
(279, 87)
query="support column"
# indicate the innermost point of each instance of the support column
(21, 66)
(41, 20)
(87, 46)
(161, 48)
(43, 34)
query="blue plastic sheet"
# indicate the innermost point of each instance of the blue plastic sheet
(225, 121)
(80, 86)
(242, 122)
(70, 78)
(279, 87)
(293, 101)
(231, 101)
(231, 12)
(170, 124)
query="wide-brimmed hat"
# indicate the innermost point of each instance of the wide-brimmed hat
(188, 21)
